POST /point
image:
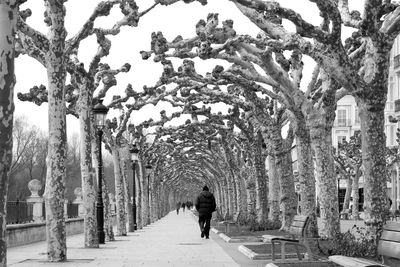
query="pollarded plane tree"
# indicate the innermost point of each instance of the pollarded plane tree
(348, 163)
(233, 186)
(53, 52)
(8, 21)
(375, 29)
(183, 143)
(230, 144)
(312, 109)
(183, 140)
(116, 141)
(189, 80)
(142, 136)
(188, 67)
(80, 100)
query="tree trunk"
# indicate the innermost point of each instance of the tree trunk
(251, 199)
(88, 190)
(261, 180)
(139, 191)
(128, 203)
(284, 169)
(8, 19)
(119, 194)
(356, 197)
(274, 190)
(306, 179)
(373, 145)
(108, 219)
(321, 138)
(347, 196)
(57, 152)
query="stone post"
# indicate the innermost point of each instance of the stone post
(79, 201)
(36, 200)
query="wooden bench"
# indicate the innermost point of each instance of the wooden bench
(229, 223)
(388, 249)
(296, 237)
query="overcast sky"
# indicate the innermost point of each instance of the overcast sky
(178, 19)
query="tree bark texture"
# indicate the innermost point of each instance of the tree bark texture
(274, 190)
(261, 180)
(373, 143)
(349, 185)
(8, 19)
(119, 194)
(87, 172)
(284, 169)
(356, 197)
(57, 153)
(307, 180)
(326, 179)
(139, 194)
(128, 203)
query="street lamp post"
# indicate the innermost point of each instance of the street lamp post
(100, 112)
(338, 193)
(148, 167)
(134, 156)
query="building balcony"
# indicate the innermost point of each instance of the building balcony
(342, 123)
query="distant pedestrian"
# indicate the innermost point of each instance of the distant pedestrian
(178, 206)
(188, 204)
(183, 206)
(205, 205)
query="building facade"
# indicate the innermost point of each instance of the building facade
(347, 122)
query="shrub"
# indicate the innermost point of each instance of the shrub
(264, 225)
(356, 242)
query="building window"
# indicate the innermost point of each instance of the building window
(341, 117)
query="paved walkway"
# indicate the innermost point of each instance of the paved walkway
(172, 241)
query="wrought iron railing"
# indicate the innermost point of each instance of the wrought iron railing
(22, 212)
(19, 212)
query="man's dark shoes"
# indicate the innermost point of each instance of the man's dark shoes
(207, 237)
(202, 234)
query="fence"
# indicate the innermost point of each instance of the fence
(22, 212)
(19, 212)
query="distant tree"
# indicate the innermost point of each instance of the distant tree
(348, 162)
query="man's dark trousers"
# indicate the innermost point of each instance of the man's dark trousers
(204, 222)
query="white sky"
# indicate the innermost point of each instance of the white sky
(178, 19)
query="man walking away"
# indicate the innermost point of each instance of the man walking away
(178, 206)
(205, 205)
(183, 206)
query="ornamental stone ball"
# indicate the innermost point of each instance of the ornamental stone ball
(78, 193)
(34, 186)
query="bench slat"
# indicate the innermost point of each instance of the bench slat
(392, 226)
(389, 249)
(390, 236)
